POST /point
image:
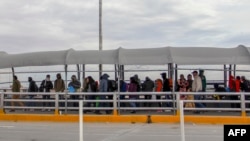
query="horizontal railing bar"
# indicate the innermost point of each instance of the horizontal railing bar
(128, 93)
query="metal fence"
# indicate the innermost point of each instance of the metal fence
(113, 101)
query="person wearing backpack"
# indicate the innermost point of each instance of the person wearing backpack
(33, 88)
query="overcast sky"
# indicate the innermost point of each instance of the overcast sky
(42, 25)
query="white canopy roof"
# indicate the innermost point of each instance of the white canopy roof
(142, 56)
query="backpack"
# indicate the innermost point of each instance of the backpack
(34, 87)
(111, 85)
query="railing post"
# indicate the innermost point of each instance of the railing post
(66, 101)
(243, 104)
(2, 103)
(177, 103)
(114, 104)
(57, 104)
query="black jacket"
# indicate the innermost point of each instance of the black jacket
(46, 85)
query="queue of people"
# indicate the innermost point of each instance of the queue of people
(195, 82)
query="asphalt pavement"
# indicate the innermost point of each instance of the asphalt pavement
(48, 131)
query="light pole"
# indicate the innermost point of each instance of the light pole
(100, 34)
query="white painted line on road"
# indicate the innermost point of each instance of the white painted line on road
(7, 126)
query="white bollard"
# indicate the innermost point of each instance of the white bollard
(81, 120)
(182, 121)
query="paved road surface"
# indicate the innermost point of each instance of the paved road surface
(28, 131)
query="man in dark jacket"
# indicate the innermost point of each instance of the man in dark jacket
(166, 88)
(245, 87)
(148, 86)
(32, 89)
(46, 86)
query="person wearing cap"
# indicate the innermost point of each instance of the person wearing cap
(166, 88)
(76, 85)
(46, 86)
(197, 87)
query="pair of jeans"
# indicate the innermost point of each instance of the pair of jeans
(132, 104)
(46, 104)
(31, 104)
(198, 104)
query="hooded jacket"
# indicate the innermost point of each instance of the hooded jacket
(148, 85)
(104, 83)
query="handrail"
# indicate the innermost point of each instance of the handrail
(242, 101)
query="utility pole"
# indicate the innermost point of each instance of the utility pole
(100, 34)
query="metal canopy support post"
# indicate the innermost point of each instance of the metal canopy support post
(174, 73)
(83, 73)
(122, 72)
(234, 69)
(2, 103)
(78, 72)
(230, 70)
(100, 35)
(118, 88)
(225, 75)
(66, 88)
(116, 71)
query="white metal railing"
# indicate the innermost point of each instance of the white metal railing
(61, 101)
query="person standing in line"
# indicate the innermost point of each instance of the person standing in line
(16, 86)
(132, 87)
(190, 81)
(90, 87)
(204, 84)
(232, 88)
(59, 86)
(158, 88)
(197, 87)
(245, 87)
(148, 86)
(76, 85)
(183, 85)
(123, 88)
(32, 89)
(103, 88)
(166, 88)
(46, 86)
